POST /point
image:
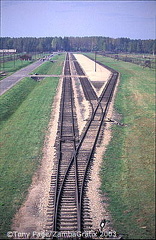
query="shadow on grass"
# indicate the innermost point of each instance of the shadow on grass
(17, 95)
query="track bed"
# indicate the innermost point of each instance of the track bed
(68, 208)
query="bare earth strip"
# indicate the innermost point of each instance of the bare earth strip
(32, 215)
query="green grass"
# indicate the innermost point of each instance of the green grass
(9, 67)
(10, 102)
(51, 67)
(128, 166)
(59, 57)
(25, 114)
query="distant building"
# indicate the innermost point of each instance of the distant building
(25, 57)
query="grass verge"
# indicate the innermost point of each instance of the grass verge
(127, 172)
(51, 67)
(9, 67)
(23, 130)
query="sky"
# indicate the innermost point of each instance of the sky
(47, 18)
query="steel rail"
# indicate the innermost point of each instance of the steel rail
(103, 65)
(81, 72)
(57, 196)
(76, 169)
(59, 158)
(93, 149)
(79, 145)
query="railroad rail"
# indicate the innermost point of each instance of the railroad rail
(65, 201)
(68, 208)
(88, 90)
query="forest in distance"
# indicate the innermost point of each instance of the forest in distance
(86, 44)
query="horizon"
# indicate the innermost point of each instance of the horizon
(79, 37)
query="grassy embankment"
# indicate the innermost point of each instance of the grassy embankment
(128, 166)
(47, 67)
(9, 67)
(25, 113)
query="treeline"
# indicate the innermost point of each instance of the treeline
(46, 44)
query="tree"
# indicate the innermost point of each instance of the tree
(57, 44)
(98, 43)
(66, 44)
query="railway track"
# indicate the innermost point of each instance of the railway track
(63, 200)
(68, 208)
(88, 90)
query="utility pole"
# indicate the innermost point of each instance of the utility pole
(3, 60)
(14, 59)
(95, 61)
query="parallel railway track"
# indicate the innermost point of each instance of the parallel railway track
(68, 204)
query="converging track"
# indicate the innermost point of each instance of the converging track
(68, 208)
